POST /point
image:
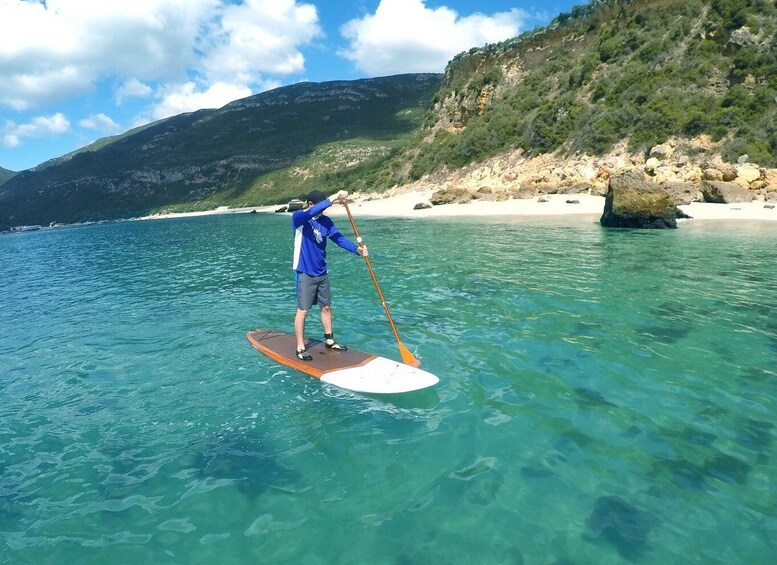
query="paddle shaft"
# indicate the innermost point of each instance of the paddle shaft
(407, 357)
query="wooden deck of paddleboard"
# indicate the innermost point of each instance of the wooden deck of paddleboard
(351, 369)
(282, 347)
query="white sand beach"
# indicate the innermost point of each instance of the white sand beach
(740, 211)
(401, 205)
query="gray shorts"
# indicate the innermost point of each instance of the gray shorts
(312, 290)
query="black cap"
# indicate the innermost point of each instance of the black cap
(316, 196)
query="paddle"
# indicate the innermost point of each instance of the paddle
(407, 357)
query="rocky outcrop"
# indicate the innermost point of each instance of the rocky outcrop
(490, 195)
(681, 167)
(770, 180)
(633, 202)
(682, 193)
(725, 192)
(741, 37)
(294, 205)
(450, 196)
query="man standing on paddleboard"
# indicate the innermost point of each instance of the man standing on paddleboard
(311, 230)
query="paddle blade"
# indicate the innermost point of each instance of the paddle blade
(407, 357)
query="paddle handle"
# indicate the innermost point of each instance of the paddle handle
(407, 357)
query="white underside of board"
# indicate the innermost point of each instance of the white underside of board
(381, 376)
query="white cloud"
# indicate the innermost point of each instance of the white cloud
(10, 140)
(41, 126)
(259, 36)
(99, 122)
(54, 52)
(181, 98)
(132, 88)
(405, 36)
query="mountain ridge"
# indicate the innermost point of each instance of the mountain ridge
(199, 159)
(6, 174)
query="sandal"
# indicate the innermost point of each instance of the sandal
(330, 343)
(303, 355)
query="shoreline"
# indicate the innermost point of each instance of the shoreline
(400, 205)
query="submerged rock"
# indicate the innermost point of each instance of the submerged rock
(633, 202)
(621, 524)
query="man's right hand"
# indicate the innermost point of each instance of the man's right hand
(341, 196)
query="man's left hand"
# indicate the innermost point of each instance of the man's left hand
(363, 251)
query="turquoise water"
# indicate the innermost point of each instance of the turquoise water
(605, 396)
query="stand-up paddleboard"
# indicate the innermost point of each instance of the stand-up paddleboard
(350, 369)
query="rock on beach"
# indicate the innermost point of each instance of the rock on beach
(633, 202)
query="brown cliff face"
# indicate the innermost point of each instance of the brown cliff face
(515, 175)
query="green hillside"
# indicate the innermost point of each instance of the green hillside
(635, 70)
(94, 146)
(5, 174)
(259, 150)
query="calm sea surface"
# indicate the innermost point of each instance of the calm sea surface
(605, 396)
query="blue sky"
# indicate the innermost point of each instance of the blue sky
(73, 71)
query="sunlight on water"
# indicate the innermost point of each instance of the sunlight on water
(605, 396)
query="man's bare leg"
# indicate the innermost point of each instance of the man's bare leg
(326, 319)
(299, 328)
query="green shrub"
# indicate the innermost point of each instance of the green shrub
(490, 77)
(609, 49)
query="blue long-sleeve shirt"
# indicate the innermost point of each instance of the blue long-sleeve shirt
(310, 235)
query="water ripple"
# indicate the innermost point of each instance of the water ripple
(604, 396)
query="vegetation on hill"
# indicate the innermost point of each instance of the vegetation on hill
(636, 70)
(263, 149)
(5, 174)
(94, 146)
